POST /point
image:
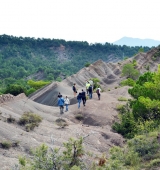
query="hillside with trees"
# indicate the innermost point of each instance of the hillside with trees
(52, 59)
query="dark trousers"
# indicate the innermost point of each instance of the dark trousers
(99, 95)
(61, 109)
(84, 100)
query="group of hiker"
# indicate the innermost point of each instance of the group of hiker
(82, 96)
(63, 101)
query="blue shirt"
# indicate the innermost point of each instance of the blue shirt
(60, 101)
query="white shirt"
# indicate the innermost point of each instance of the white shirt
(66, 101)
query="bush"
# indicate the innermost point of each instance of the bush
(6, 144)
(30, 121)
(61, 122)
(128, 82)
(30, 91)
(87, 64)
(96, 82)
(79, 117)
(154, 163)
(44, 158)
(121, 108)
(15, 89)
(10, 119)
(122, 99)
(144, 146)
(37, 84)
(127, 125)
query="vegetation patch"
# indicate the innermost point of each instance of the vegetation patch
(10, 119)
(79, 117)
(122, 99)
(61, 123)
(128, 82)
(120, 108)
(129, 71)
(30, 121)
(96, 83)
(6, 144)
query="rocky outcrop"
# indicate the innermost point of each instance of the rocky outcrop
(6, 98)
(9, 97)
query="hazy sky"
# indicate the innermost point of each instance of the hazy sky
(81, 20)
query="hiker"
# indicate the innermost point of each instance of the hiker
(90, 90)
(66, 102)
(59, 95)
(91, 83)
(98, 91)
(87, 87)
(74, 90)
(83, 94)
(79, 98)
(61, 104)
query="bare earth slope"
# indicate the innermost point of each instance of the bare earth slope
(98, 118)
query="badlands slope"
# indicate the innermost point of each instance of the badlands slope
(98, 115)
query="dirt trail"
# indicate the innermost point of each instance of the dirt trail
(98, 118)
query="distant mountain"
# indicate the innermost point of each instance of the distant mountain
(137, 42)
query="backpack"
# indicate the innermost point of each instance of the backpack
(73, 88)
(79, 97)
(97, 91)
(90, 88)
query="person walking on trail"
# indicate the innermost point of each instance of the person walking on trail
(66, 102)
(61, 104)
(83, 97)
(98, 91)
(90, 90)
(87, 87)
(91, 83)
(59, 94)
(79, 98)
(74, 90)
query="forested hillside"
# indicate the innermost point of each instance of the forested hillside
(52, 59)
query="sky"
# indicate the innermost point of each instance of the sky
(94, 21)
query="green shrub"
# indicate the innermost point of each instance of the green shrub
(15, 89)
(122, 99)
(144, 146)
(154, 163)
(96, 82)
(6, 144)
(123, 157)
(79, 116)
(30, 91)
(87, 64)
(37, 84)
(127, 125)
(45, 158)
(128, 82)
(30, 121)
(61, 122)
(121, 108)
